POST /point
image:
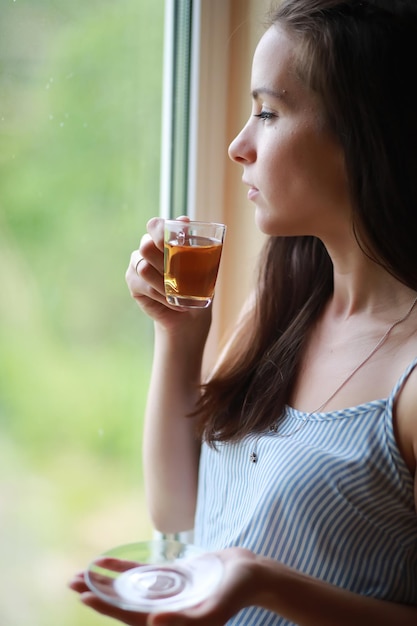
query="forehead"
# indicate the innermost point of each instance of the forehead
(274, 66)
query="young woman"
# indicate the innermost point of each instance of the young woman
(298, 462)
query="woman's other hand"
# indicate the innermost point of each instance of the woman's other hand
(236, 591)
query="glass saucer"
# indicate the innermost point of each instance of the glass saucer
(153, 576)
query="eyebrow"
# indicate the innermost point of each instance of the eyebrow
(279, 95)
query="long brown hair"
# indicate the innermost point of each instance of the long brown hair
(360, 57)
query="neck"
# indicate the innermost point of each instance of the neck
(363, 286)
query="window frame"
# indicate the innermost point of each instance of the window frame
(223, 36)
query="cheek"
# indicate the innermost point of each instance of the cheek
(283, 171)
(282, 154)
(308, 169)
(303, 182)
(328, 180)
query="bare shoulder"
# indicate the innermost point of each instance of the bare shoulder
(406, 420)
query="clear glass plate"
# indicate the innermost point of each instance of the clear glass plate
(153, 576)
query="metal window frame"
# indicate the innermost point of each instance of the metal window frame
(221, 36)
(193, 127)
(179, 37)
(194, 111)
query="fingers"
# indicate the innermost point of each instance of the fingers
(145, 279)
(101, 575)
(91, 600)
(145, 274)
(78, 583)
(116, 565)
(150, 254)
(151, 249)
(155, 229)
(126, 617)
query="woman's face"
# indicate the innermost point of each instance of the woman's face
(294, 167)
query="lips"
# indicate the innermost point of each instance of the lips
(253, 191)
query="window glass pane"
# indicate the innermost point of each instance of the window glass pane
(80, 111)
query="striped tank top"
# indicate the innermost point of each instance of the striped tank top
(333, 499)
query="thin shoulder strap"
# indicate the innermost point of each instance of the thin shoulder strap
(397, 457)
(399, 384)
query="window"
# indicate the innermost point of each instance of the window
(80, 163)
(80, 135)
(225, 33)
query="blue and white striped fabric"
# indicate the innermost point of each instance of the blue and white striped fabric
(334, 500)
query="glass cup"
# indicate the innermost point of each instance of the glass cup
(153, 576)
(192, 252)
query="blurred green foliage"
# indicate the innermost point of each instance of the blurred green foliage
(80, 109)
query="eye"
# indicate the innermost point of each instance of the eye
(265, 115)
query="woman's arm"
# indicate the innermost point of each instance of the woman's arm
(311, 602)
(171, 451)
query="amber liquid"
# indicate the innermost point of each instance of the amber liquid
(191, 269)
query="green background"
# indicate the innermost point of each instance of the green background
(80, 111)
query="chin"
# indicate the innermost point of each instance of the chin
(271, 224)
(263, 222)
(268, 224)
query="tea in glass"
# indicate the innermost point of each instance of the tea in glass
(191, 261)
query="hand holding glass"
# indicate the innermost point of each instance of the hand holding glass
(192, 252)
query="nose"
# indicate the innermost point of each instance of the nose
(242, 149)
